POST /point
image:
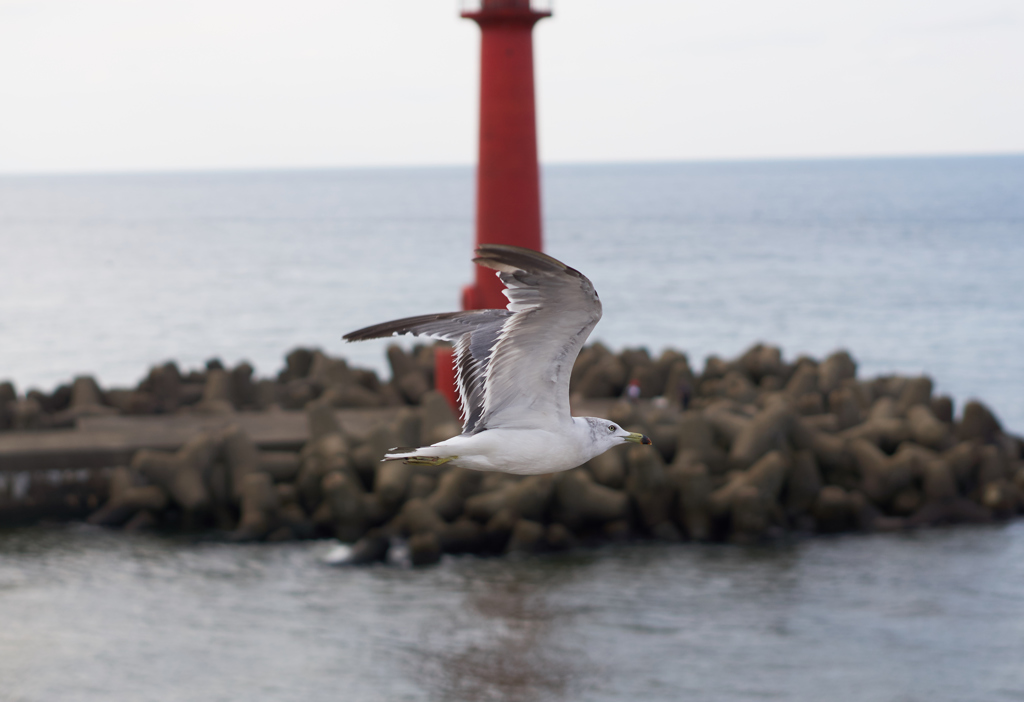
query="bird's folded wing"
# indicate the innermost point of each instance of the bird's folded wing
(554, 308)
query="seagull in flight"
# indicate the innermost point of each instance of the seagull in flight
(512, 370)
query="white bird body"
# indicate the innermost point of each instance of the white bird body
(526, 451)
(512, 370)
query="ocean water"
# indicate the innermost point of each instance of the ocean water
(936, 616)
(913, 265)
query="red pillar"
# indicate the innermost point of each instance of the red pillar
(507, 176)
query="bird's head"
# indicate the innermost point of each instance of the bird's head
(609, 434)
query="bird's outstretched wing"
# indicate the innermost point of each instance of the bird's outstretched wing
(474, 334)
(554, 309)
(513, 365)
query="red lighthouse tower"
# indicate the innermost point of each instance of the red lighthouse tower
(507, 176)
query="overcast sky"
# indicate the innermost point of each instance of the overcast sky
(109, 85)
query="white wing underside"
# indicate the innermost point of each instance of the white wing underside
(513, 365)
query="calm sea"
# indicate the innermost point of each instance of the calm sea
(914, 265)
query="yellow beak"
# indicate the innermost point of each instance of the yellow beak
(638, 438)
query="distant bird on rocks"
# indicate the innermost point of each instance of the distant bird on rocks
(512, 371)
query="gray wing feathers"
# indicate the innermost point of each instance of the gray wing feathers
(555, 308)
(512, 366)
(474, 334)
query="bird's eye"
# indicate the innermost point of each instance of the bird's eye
(611, 427)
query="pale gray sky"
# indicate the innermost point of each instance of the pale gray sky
(194, 84)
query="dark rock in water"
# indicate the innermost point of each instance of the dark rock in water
(243, 390)
(420, 485)
(579, 501)
(217, 395)
(454, 486)
(282, 466)
(407, 426)
(693, 490)
(391, 483)
(727, 424)
(609, 469)
(804, 381)
(761, 360)
(133, 401)
(925, 427)
(834, 370)
(962, 460)
(241, 455)
(418, 516)
(906, 502)
(883, 477)
(297, 365)
(695, 443)
(528, 497)
(424, 548)
(296, 394)
(260, 506)
(7, 392)
(836, 463)
(344, 505)
(842, 402)
(183, 473)
(499, 529)
(1002, 498)
(942, 408)
(977, 423)
(679, 382)
(371, 548)
(27, 413)
(648, 487)
(916, 391)
(957, 510)
(400, 362)
(606, 378)
(827, 423)
(164, 382)
(127, 498)
(714, 367)
(527, 537)
(736, 386)
(617, 530)
(749, 514)
(558, 538)
(325, 371)
(351, 396)
(832, 510)
(992, 465)
(809, 404)
(413, 385)
(462, 536)
(144, 520)
(85, 392)
(884, 433)
(367, 456)
(937, 478)
(767, 430)
(322, 420)
(438, 419)
(803, 484)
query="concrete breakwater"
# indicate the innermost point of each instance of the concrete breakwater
(748, 449)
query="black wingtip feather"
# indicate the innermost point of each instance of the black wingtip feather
(501, 256)
(396, 327)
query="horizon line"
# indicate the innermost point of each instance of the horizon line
(202, 170)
